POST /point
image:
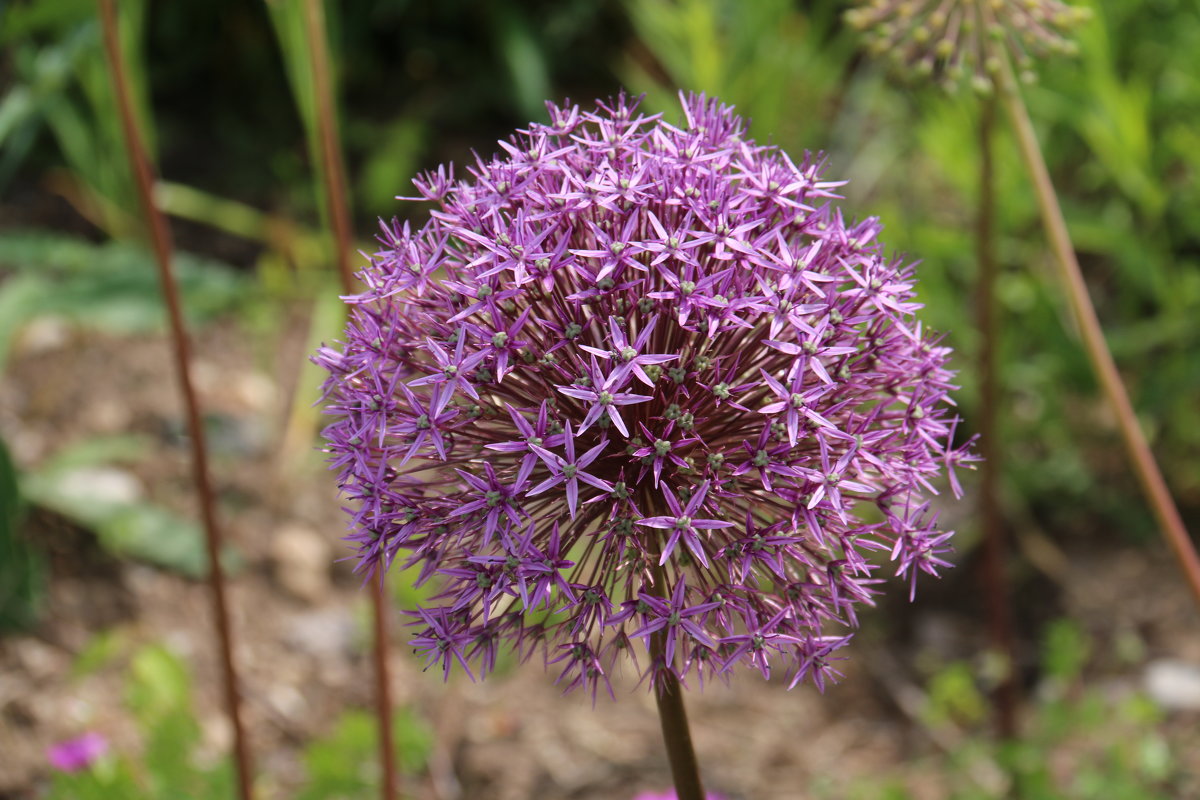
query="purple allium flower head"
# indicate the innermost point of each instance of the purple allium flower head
(76, 755)
(639, 387)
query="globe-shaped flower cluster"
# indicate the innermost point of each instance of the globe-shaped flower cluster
(639, 391)
(957, 39)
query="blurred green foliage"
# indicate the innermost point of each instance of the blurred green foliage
(111, 287)
(1118, 127)
(418, 84)
(77, 483)
(174, 760)
(781, 65)
(158, 693)
(59, 81)
(344, 763)
(953, 696)
(1077, 743)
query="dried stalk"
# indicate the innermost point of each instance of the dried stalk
(999, 601)
(334, 175)
(160, 237)
(1140, 455)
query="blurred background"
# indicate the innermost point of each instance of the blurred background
(104, 619)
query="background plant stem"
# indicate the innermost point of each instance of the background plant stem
(999, 604)
(334, 171)
(160, 238)
(1142, 459)
(334, 175)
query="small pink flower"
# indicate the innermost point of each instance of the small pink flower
(75, 755)
(669, 794)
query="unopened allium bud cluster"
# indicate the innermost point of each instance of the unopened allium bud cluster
(638, 391)
(966, 39)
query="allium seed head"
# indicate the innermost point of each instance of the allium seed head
(646, 389)
(957, 40)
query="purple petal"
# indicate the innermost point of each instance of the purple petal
(75, 755)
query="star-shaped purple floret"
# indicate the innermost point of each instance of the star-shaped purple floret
(673, 616)
(628, 356)
(453, 369)
(606, 399)
(532, 436)
(443, 641)
(570, 470)
(683, 524)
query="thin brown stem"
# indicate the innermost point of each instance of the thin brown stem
(1140, 455)
(999, 603)
(160, 237)
(333, 169)
(334, 177)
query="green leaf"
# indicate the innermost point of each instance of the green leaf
(953, 695)
(112, 287)
(159, 692)
(107, 779)
(19, 297)
(159, 683)
(120, 448)
(524, 58)
(22, 20)
(157, 536)
(80, 483)
(392, 161)
(1065, 650)
(21, 573)
(345, 763)
(102, 650)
